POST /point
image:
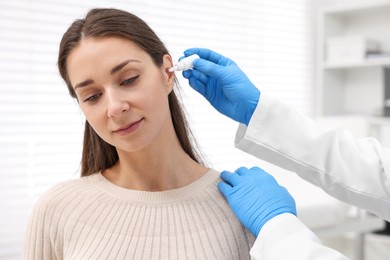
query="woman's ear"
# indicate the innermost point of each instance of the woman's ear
(169, 77)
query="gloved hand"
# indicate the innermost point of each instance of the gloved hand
(223, 84)
(255, 197)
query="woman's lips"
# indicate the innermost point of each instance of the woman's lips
(129, 128)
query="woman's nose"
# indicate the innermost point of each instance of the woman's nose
(116, 104)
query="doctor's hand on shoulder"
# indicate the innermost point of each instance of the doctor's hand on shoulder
(223, 84)
(255, 197)
(268, 210)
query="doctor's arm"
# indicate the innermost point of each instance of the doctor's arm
(354, 171)
(269, 212)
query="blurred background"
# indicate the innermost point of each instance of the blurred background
(327, 58)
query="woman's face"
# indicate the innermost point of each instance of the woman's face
(122, 93)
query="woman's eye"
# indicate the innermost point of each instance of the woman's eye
(129, 81)
(93, 98)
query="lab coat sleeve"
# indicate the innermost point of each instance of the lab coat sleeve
(356, 171)
(285, 237)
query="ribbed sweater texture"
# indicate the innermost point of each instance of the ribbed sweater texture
(91, 218)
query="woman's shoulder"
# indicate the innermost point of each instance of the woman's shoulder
(66, 186)
(62, 193)
(206, 186)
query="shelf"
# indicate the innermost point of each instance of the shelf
(385, 62)
(378, 120)
(353, 81)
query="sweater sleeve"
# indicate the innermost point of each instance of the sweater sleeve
(356, 171)
(42, 232)
(285, 237)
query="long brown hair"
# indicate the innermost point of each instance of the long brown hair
(97, 154)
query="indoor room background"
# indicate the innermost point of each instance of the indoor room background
(276, 43)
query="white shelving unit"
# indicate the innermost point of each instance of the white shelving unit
(347, 88)
(353, 88)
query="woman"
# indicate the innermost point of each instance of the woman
(144, 193)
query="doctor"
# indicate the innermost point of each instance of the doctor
(354, 171)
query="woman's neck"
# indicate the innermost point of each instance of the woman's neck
(155, 169)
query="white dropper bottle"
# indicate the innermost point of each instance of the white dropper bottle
(185, 63)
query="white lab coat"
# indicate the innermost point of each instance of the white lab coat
(286, 237)
(354, 171)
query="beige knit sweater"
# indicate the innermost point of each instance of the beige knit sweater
(91, 218)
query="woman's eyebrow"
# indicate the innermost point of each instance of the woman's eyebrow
(121, 65)
(83, 84)
(113, 70)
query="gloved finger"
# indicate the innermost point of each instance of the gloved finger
(206, 54)
(197, 85)
(182, 57)
(231, 178)
(242, 171)
(257, 168)
(200, 76)
(225, 188)
(194, 83)
(208, 68)
(263, 174)
(187, 73)
(196, 74)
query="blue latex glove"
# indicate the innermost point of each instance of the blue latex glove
(223, 84)
(255, 197)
